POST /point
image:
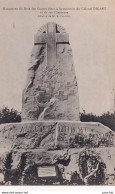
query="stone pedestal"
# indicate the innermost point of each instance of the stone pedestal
(65, 147)
(51, 135)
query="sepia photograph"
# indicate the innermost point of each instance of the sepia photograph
(57, 93)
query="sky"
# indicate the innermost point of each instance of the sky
(91, 35)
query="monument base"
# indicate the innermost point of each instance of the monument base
(55, 135)
(57, 152)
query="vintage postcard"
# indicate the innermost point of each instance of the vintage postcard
(57, 93)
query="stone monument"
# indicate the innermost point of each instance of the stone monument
(51, 91)
(51, 145)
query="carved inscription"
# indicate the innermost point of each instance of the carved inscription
(71, 129)
(82, 136)
(43, 128)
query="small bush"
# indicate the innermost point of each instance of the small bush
(107, 119)
(9, 115)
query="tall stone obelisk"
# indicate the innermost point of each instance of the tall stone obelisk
(51, 91)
